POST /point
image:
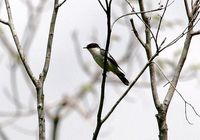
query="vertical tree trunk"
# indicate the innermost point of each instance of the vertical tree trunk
(41, 112)
(162, 125)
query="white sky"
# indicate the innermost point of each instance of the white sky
(133, 119)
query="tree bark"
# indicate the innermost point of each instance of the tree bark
(162, 125)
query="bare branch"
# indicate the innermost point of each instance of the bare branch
(133, 13)
(101, 103)
(186, 117)
(110, 2)
(179, 67)
(163, 42)
(38, 83)
(104, 9)
(184, 32)
(107, 5)
(44, 72)
(195, 33)
(132, 8)
(136, 33)
(17, 43)
(144, 68)
(191, 3)
(4, 22)
(171, 84)
(60, 4)
(187, 9)
(148, 50)
(183, 56)
(195, 7)
(160, 21)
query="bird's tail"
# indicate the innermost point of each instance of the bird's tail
(123, 78)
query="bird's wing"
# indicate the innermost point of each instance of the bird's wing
(110, 58)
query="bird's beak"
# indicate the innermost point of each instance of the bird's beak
(84, 47)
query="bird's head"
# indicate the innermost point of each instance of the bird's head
(91, 46)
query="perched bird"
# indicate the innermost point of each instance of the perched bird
(99, 55)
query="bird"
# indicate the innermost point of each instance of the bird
(99, 54)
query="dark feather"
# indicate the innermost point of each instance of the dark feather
(123, 78)
(110, 58)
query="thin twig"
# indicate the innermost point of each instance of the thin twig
(186, 117)
(195, 33)
(184, 32)
(186, 102)
(136, 33)
(160, 21)
(187, 9)
(110, 3)
(145, 23)
(132, 8)
(133, 13)
(104, 9)
(107, 5)
(4, 22)
(60, 4)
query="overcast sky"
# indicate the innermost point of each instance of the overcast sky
(134, 119)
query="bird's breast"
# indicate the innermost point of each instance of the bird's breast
(99, 60)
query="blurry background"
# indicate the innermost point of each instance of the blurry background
(72, 88)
